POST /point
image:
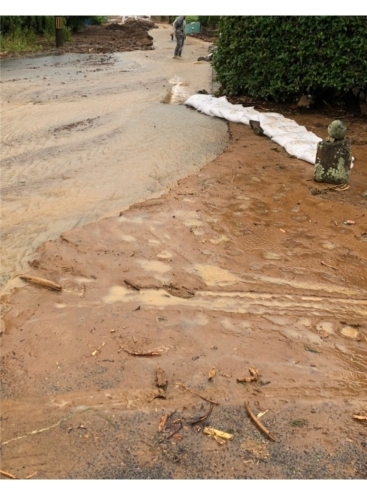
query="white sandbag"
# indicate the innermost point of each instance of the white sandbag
(296, 140)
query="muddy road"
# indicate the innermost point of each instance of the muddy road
(245, 282)
(246, 264)
(85, 135)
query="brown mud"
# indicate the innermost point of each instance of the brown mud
(248, 263)
(112, 37)
(241, 265)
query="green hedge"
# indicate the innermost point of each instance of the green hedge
(280, 58)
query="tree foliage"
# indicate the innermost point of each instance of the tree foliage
(279, 58)
(27, 23)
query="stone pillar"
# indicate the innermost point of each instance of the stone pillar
(333, 157)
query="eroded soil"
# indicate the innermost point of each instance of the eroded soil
(112, 37)
(248, 263)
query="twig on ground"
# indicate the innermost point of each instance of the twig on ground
(41, 282)
(9, 475)
(258, 424)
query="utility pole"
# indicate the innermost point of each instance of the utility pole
(59, 32)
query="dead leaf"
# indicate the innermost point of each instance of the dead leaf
(161, 379)
(211, 373)
(248, 379)
(177, 437)
(162, 422)
(305, 101)
(349, 222)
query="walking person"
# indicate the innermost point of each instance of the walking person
(179, 26)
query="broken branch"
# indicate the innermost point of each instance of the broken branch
(258, 424)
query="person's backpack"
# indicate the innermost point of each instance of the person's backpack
(179, 23)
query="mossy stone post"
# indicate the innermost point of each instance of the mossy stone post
(333, 156)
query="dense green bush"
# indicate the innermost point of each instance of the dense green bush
(210, 21)
(280, 58)
(27, 23)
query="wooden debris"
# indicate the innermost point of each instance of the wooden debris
(328, 265)
(41, 282)
(161, 379)
(9, 475)
(211, 373)
(258, 424)
(201, 418)
(197, 394)
(31, 475)
(179, 291)
(149, 353)
(132, 285)
(98, 350)
(261, 414)
(360, 417)
(248, 379)
(210, 431)
(341, 187)
(162, 422)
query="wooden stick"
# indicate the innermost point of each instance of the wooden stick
(9, 475)
(30, 476)
(143, 354)
(195, 393)
(41, 282)
(257, 422)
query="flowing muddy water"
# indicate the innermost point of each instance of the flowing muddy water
(84, 136)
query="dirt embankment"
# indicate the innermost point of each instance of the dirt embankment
(109, 38)
(246, 264)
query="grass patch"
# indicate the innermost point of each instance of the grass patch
(26, 41)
